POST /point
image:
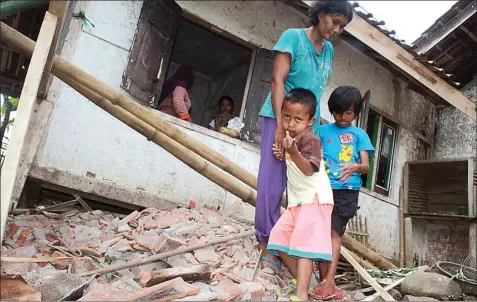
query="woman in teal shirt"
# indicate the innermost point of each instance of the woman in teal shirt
(301, 59)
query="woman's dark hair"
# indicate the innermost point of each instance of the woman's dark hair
(304, 97)
(328, 7)
(343, 97)
(227, 98)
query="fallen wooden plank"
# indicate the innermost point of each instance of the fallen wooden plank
(32, 260)
(384, 294)
(362, 262)
(16, 166)
(191, 273)
(387, 288)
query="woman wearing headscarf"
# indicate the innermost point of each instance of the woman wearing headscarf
(174, 98)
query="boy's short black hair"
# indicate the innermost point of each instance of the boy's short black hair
(327, 7)
(228, 98)
(304, 97)
(343, 97)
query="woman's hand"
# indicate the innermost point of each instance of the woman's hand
(278, 152)
(279, 136)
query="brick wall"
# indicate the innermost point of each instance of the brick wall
(441, 240)
(456, 132)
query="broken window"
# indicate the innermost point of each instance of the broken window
(166, 40)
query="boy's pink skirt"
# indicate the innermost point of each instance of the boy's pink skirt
(303, 231)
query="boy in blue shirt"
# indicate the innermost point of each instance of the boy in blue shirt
(346, 150)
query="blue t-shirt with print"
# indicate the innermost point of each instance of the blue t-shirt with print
(341, 146)
(309, 69)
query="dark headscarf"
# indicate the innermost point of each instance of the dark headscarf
(183, 77)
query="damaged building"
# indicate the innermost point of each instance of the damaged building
(418, 118)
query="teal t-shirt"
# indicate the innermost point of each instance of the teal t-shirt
(309, 69)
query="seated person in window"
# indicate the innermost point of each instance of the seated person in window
(225, 114)
(174, 98)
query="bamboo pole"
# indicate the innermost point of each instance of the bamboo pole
(175, 252)
(61, 67)
(367, 253)
(191, 159)
(169, 137)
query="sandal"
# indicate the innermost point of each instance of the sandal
(295, 298)
(324, 295)
(271, 264)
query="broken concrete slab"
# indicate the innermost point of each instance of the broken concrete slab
(54, 285)
(191, 273)
(16, 289)
(426, 284)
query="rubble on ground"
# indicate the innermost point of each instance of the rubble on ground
(75, 244)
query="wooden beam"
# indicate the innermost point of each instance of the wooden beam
(409, 251)
(400, 57)
(14, 169)
(59, 9)
(387, 48)
(378, 288)
(449, 27)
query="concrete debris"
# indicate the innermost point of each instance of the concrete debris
(97, 239)
(221, 272)
(433, 285)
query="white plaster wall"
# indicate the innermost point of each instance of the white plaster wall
(81, 138)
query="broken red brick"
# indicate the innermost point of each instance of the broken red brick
(227, 290)
(82, 264)
(60, 264)
(192, 204)
(168, 220)
(13, 230)
(17, 290)
(51, 237)
(167, 243)
(177, 289)
(23, 237)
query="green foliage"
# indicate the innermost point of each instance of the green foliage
(14, 102)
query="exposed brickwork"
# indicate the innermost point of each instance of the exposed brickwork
(456, 132)
(446, 241)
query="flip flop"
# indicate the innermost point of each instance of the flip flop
(275, 266)
(323, 295)
(295, 298)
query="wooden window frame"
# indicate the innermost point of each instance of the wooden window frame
(377, 140)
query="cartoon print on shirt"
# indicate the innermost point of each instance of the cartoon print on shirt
(346, 153)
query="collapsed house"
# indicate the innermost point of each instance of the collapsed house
(75, 147)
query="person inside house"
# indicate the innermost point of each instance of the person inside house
(174, 98)
(223, 116)
(302, 58)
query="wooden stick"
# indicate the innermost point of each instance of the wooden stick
(366, 253)
(362, 262)
(386, 296)
(387, 288)
(178, 251)
(199, 272)
(401, 227)
(33, 260)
